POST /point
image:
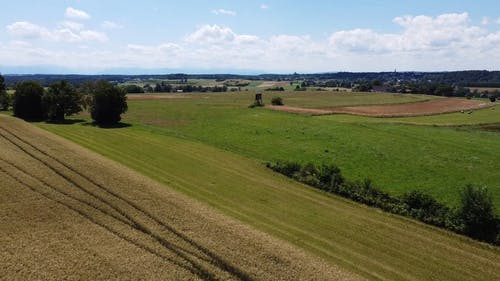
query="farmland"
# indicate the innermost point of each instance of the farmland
(211, 148)
(63, 215)
(430, 107)
(224, 170)
(439, 160)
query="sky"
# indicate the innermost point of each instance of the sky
(274, 36)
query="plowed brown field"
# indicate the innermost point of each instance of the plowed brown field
(430, 107)
(68, 213)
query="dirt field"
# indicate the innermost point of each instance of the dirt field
(300, 110)
(270, 84)
(430, 107)
(68, 213)
(156, 96)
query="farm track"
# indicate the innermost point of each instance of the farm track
(123, 218)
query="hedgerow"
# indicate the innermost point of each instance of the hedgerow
(474, 218)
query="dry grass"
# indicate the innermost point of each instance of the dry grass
(69, 213)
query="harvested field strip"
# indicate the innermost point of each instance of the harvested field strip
(157, 96)
(431, 107)
(421, 108)
(91, 219)
(135, 223)
(371, 243)
(68, 186)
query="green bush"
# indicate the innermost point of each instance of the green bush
(107, 103)
(476, 218)
(27, 102)
(4, 97)
(478, 214)
(425, 208)
(4, 100)
(60, 100)
(277, 101)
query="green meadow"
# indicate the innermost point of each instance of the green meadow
(367, 241)
(212, 147)
(397, 154)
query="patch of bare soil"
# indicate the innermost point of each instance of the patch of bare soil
(270, 84)
(156, 96)
(430, 107)
(69, 213)
(300, 110)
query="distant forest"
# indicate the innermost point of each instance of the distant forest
(473, 78)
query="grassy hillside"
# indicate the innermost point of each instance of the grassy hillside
(363, 240)
(397, 157)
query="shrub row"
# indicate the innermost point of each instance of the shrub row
(474, 218)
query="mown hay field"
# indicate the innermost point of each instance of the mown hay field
(68, 213)
(397, 154)
(362, 240)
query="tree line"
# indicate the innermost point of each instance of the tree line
(61, 99)
(475, 217)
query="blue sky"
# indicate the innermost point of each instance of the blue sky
(90, 36)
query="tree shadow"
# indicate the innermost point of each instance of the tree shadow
(65, 122)
(118, 125)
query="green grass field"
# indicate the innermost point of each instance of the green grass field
(438, 160)
(364, 240)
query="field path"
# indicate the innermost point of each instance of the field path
(429, 107)
(69, 212)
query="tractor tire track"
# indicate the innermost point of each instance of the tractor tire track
(90, 204)
(136, 224)
(107, 228)
(214, 259)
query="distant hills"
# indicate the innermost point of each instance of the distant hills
(471, 78)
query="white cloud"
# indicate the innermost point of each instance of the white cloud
(91, 35)
(69, 32)
(224, 12)
(420, 33)
(498, 21)
(110, 25)
(27, 30)
(72, 25)
(264, 6)
(485, 21)
(445, 42)
(211, 34)
(73, 13)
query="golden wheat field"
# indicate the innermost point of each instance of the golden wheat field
(67, 213)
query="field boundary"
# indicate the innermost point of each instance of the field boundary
(412, 109)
